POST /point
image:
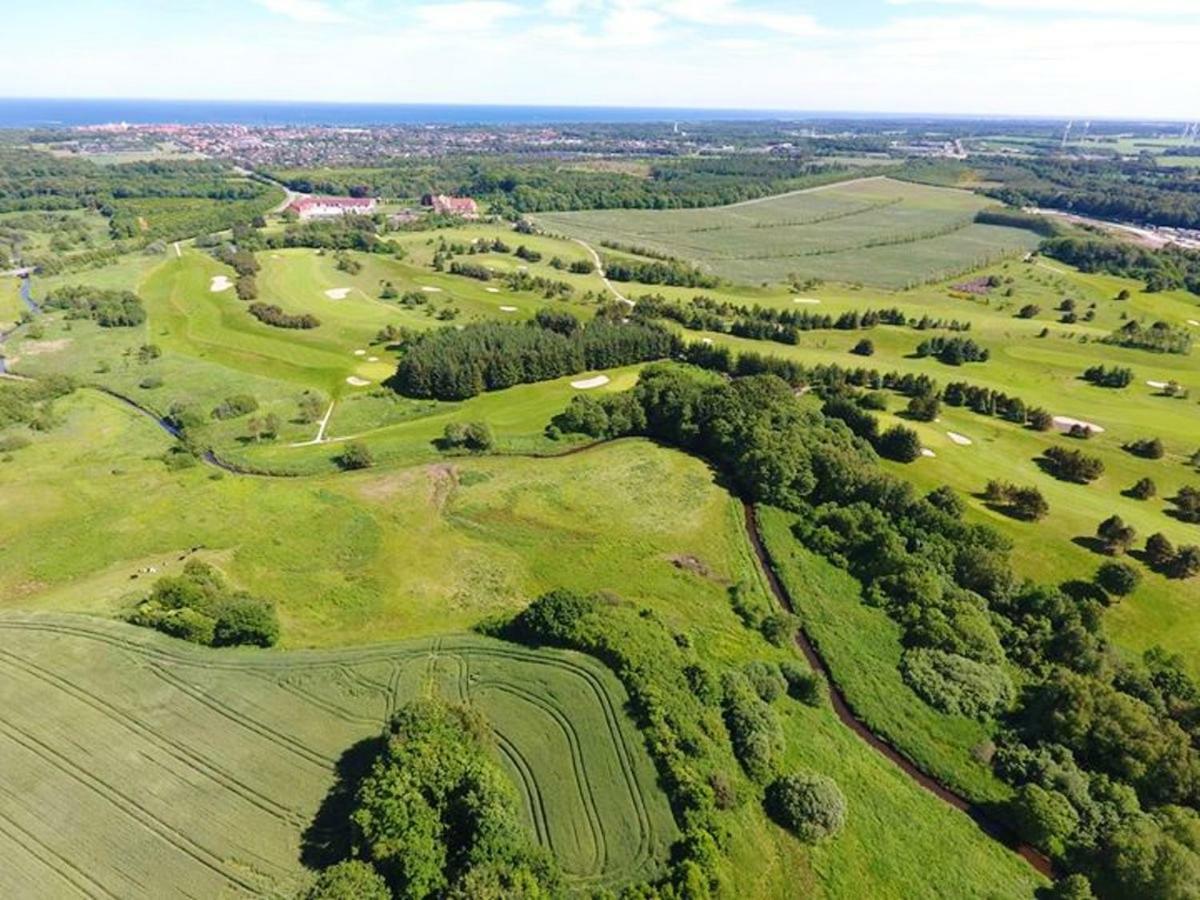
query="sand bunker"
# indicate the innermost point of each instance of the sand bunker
(805, 300)
(589, 383)
(508, 309)
(1066, 423)
(337, 293)
(372, 359)
(960, 439)
(1193, 322)
(220, 283)
(1157, 384)
(927, 453)
(707, 341)
(431, 290)
(355, 381)
(492, 290)
(360, 352)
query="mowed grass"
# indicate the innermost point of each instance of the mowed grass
(235, 751)
(875, 231)
(432, 549)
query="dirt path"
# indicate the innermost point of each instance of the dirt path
(600, 269)
(320, 430)
(845, 714)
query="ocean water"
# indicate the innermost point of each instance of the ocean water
(37, 113)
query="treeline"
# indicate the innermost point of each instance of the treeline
(31, 403)
(1106, 189)
(1100, 749)
(353, 232)
(1014, 218)
(1160, 337)
(108, 308)
(454, 364)
(270, 314)
(1166, 269)
(673, 273)
(514, 186)
(953, 351)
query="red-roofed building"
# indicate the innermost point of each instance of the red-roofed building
(327, 207)
(463, 207)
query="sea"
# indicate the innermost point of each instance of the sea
(59, 113)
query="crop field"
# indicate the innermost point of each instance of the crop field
(875, 231)
(233, 753)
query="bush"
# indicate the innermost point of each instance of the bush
(900, 444)
(270, 314)
(1117, 579)
(1149, 448)
(803, 685)
(955, 684)
(242, 619)
(809, 805)
(766, 680)
(237, 405)
(1116, 377)
(151, 382)
(473, 436)
(865, 347)
(357, 455)
(1044, 818)
(925, 408)
(1143, 489)
(754, 729)
(1073, 465)
(1115, 535)
(1187, 504)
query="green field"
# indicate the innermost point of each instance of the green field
(875, 231)
(234, 752)
(11, 305)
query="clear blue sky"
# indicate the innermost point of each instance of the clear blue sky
(1053, 57)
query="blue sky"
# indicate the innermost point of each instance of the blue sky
(1049, 57)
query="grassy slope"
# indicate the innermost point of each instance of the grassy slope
(878, 231)
(397, 553)
(11, 305)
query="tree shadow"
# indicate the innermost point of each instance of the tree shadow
(1081, 591)
(1095, 545)
(326, 840)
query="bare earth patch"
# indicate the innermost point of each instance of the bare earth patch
(585, 384)
(39, 348)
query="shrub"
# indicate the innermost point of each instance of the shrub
(865, 347)
(357, 455)
(1073, 465)
(1160, 553)
(270, 314)
(925, 408)
(900, 444)
(11, 442)
(473, 436)
(1044, 818)
(1117, 579)
(809, 805)
(955, 684)
(778, 628)
(1149, 448)
(1187, 504)
(1115, 535)
(242, 619)
(151, 382)
(1028, 311)
(1143, 489)
(234, 406)
(1116, 377)
(803, 685)
(766, 680)
(754, 730)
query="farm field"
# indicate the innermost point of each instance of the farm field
(237, 751)
(876, 231)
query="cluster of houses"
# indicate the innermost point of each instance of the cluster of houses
(318, 207)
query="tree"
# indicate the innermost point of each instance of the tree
(1116, 536)
(1187, 504)
(1029, 311)
(924, 408)
(1040, 419)
(1186, 563)
(311, 407)
(242, 619)
(900, 443)
(808, 804)
(352, 879)
(1117, 579)
(356, 455)
(865, 347)
(1027, 503)
(1143, 489)
(1160, 553)
(1149, 448)
(1044, 818)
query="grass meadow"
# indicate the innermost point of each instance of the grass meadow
(876, 231)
